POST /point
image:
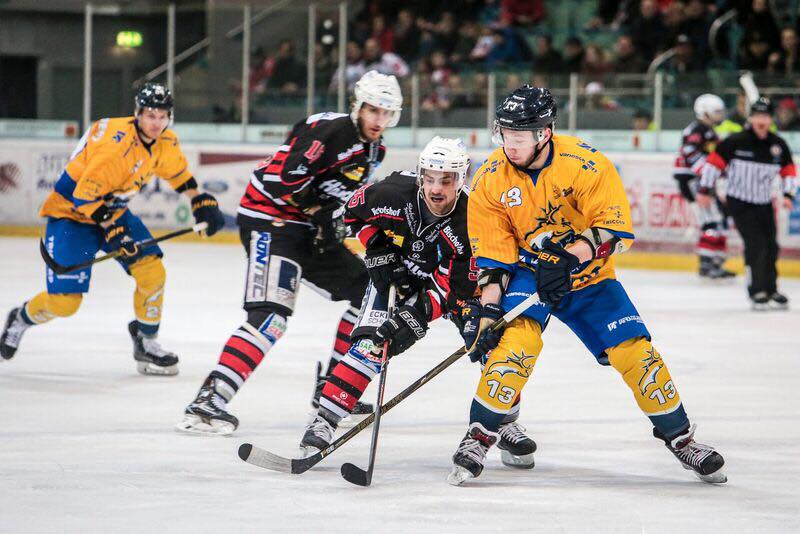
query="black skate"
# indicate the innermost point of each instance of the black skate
(516, 449)
(759, 301)
(703, 460)
(778, 301)
(468, 459)
(12, 333)
(207, 413)
(318, 435)
(150, 358)
(360, 410)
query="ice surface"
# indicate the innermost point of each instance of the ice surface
(87, 444)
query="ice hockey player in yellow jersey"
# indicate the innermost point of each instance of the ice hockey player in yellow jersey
(87, 212)
(546, 215)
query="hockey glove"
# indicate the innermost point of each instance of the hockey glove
(554, 273)
(331, 230)
(476, 318)
(205, 208)
(407, 325)
(117, 238)
(385, 267)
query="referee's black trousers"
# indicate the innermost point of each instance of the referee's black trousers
(756, 225)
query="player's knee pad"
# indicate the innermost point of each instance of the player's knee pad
(271, 279)
(266, 322)
(46, 306)
(646, 374)
(509, 365)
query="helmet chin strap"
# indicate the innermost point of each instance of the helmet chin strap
(537, 151)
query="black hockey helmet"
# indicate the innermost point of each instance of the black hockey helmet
(527, 108)
(154, 95)
(762, 105)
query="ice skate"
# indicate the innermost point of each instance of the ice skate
(207, 413)
(468, 459)
(702, 459)
(760, 301)
(516, 448)
(150, 358)
(12, 334)
(318, 435)
(778, 301)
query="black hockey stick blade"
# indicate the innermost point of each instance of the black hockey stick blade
(355, 475)
(261, 458)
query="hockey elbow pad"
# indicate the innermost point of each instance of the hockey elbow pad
(602, 242)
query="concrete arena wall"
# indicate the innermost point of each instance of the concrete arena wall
(664, 222)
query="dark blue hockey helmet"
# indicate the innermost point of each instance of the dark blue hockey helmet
(154, 95)
(527, 108)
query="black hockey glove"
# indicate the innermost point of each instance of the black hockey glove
(205, 208)
(331, 230)
(117, 238)
(476, 318)
(554, 273)
(407, 325)
(385, 267)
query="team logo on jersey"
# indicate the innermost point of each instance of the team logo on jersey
(550, 220)
(518, 364)
(775, 150)
(417, 246)
(353, 172)
(651, 365)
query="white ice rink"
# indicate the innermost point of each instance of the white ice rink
(87, 444)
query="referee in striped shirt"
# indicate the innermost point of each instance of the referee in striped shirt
(752, 159)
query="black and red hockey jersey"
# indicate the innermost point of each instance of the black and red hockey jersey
(698, 141)
(322, 161)
(437, 252)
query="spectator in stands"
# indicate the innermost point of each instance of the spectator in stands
(468, 35)
(384, 62)
(787, 60)
(573, 55)
(355, 67)
(684, 60)
(546, 58)
(260, 70)
(786, 115)
(674, 17)
(507, 49)
(521, 12)
(597, 98)
(324, 65)
(642, 121)
(514, 82)
(406, 40)
(288, 74)
(647, 29)
(761, 26)
(697, 26)
(595, 63)
(484, 45)
(489, 15)
(756, 52)
(445, 31)
(628, 59)
(382, 33)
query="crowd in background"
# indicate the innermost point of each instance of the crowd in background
(454, 44)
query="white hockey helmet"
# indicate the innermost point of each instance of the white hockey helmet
(379, 90)
(709, 107)
(444, 154)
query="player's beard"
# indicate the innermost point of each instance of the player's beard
(537, 150)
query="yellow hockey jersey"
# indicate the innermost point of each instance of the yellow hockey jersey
(109, 166)
(578, 188)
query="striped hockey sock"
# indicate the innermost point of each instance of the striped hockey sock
(242, 353)
(342, 342)
(347, 382)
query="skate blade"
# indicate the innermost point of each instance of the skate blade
(306, 451)
(149, 368)
(714, 478)
(193, 424)
(524, 461)
(458, 476)
(760, 307)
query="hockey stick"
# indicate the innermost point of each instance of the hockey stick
(63, 269)
(267, 460)
(351, 472)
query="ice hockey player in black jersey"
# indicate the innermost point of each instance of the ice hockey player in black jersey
(414, 229)
(289, 232)
(698, 140)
